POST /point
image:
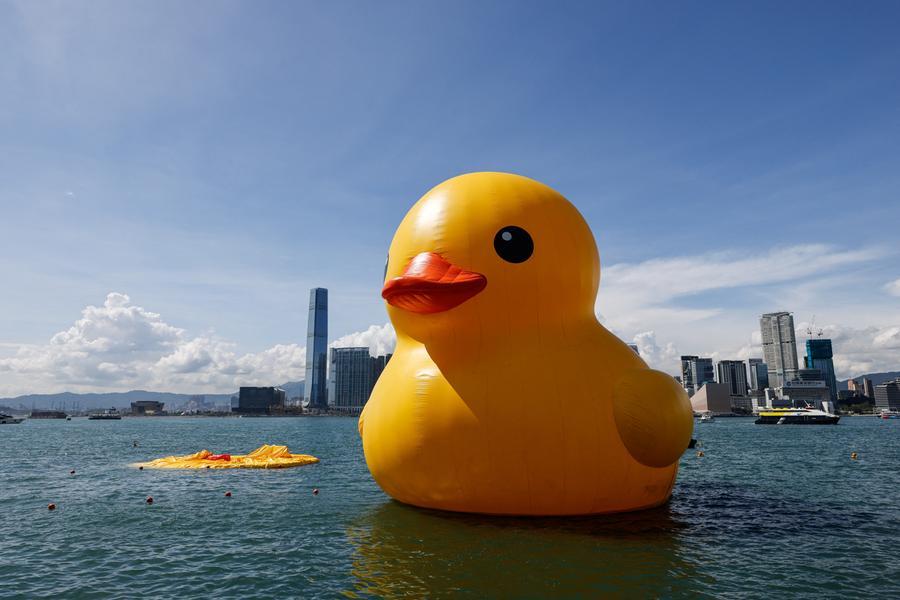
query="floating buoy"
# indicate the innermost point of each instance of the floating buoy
(228, 494)
(149, 499)
(315, 491)
(699, 453)
(140, 468)
(51, 506)
(853, 456)
(72, 472)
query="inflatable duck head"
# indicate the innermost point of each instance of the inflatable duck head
(489, 251)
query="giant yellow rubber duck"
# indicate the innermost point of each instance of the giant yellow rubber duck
(505, 395)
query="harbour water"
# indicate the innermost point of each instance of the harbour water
(767, 511)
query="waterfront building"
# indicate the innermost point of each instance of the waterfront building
(759, 374)
(887, 395)
(801, 393)
(868, 390)
(315, 392)
(733, 373)
(779, 347)
(696, 372)
(147, 407)
(819, 356)
(712, 397)
(259, 401)
(810, 375)
(353, 375)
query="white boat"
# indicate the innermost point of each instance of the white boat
(9, 419)
(107, 415)
(707, 417)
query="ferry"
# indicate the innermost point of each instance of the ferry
(107, 415)
(707, 417)
(796, 416)
(47, 414)
(6, 419)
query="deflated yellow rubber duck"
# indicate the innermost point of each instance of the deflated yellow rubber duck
(505, 395)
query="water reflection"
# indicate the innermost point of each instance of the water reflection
(400, 550)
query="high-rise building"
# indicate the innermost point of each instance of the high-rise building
(733, 373)
(779, 347)
(819, 356)
(315, 388)
(868, 390)
(696, 372)
(353, 375)
(759, 374)
(887, 395)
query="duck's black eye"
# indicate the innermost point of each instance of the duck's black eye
(513, 244)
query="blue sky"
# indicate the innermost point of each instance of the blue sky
(213, 161)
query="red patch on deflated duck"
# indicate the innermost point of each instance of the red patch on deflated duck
(432, 284)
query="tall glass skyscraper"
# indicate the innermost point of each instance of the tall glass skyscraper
(819, 356)
(779, 347)
(696, 372)
(315, 389)
(759, 374)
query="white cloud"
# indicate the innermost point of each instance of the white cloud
(121, 345)
(893, 287)
(709, 304)
(378, 339)
(635, 295)
(665, 358)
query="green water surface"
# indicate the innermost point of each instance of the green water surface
(769, 511)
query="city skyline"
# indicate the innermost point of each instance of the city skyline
(156, 176)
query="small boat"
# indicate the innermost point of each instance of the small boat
(887, 413)
(6, 419)
(796, 416)
(707, 417)
(110, 414)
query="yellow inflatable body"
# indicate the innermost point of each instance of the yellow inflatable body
(505, 395)
(264, 457)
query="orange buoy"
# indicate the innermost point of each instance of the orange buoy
(149, 499)
(700, 453)
(228, 494)
(315, 491)
(51, 506)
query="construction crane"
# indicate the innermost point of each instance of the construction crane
(811, 328)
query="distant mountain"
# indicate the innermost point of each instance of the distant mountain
(73, 401)
(875, 377)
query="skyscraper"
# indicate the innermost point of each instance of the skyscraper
(819, 356)
(779, 347)
(887, 396)
(759, 374)
(315, 389)
(733, 373)
(353, 375)
(696, 372)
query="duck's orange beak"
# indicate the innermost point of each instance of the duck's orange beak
(431, 284)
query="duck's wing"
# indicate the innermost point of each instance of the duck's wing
(653, 416)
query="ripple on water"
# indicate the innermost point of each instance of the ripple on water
(768, 511)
